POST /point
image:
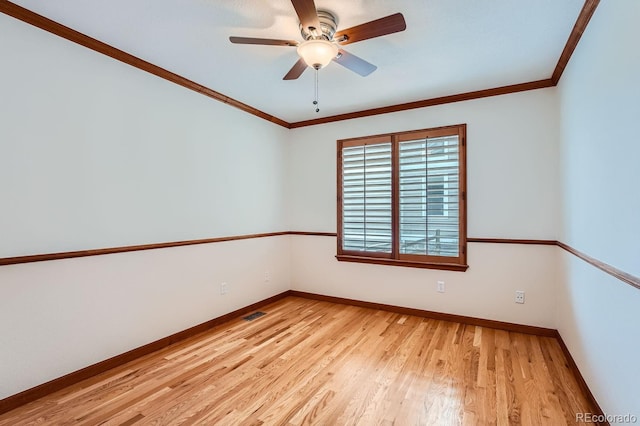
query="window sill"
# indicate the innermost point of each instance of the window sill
(406, 263)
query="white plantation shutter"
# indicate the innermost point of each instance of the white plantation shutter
(366, 198)
(429, 196)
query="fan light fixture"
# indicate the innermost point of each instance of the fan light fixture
(322, 44)
(317, 53)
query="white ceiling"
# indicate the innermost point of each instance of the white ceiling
(449, 46)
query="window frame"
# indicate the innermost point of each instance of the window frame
(396, 258)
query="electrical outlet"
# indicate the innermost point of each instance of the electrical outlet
(267, 276)
(440, 287)
(519, 296)
(224, 288)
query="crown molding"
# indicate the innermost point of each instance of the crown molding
(39, 21)
(60, 30)
(496, 91)
(576, 33)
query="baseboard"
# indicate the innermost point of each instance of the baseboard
(518, 328)
(581, 382)
(29, 395)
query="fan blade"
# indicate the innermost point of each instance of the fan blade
(306, 10)
(383, 26)
(263, 41)
(354, 63)
(296, 71)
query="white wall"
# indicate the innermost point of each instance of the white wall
(486, 290)
(598, 315)
(95, 153)
(512, 193)
(101, 154)
(511, 163)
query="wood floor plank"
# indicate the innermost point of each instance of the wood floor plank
(308, 362)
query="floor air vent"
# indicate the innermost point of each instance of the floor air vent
(253, 316)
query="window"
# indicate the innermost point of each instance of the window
(401, 199)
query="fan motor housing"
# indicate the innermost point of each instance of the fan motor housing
(328, 26)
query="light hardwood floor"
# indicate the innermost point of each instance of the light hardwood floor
(311, 362)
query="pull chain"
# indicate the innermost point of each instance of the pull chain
(315, 101)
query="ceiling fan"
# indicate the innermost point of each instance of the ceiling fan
(322, 43)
